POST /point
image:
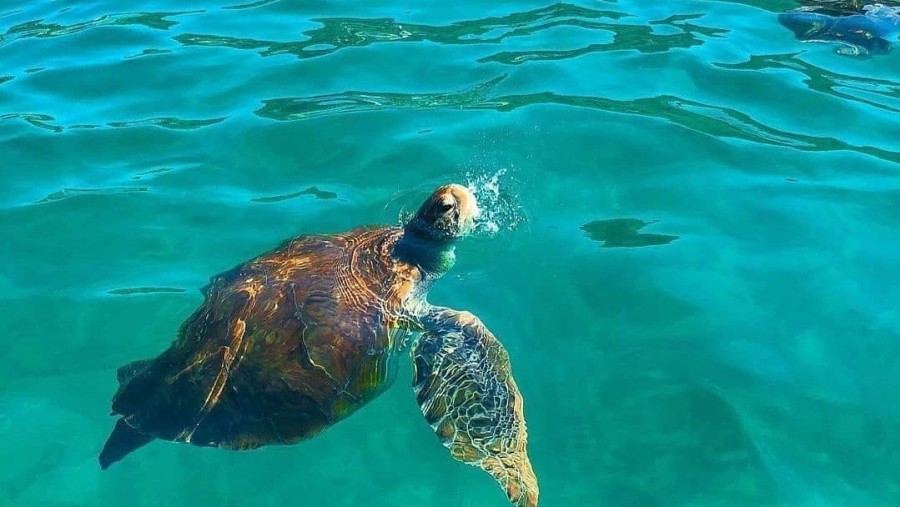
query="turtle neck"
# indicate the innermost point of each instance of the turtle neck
(434, 257)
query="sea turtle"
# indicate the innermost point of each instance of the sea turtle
(297, 339)
(860, 27)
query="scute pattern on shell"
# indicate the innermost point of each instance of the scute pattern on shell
(282, 347)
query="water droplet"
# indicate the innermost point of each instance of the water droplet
(497, 210)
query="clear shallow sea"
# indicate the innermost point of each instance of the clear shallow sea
(694, 263)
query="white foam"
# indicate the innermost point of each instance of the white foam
(498, 211)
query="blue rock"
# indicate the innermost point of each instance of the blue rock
(872, 30)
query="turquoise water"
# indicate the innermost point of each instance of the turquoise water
(690, 246)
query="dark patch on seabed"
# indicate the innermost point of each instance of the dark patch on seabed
(624, 232)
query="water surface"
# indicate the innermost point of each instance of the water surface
(692, 260)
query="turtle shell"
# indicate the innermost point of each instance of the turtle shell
(282, 347)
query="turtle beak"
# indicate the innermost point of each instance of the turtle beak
(467, 205)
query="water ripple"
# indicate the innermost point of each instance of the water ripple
(716, 121)
(639, 38)
(149, 52)
(299, 108)
(338, 33)
(150, 173)
(313, 191)
(825, 81)
(47, 122)
(42, 121)
(141, 291)
(68, 193)
(39, 29)
(168, 123)
(10, 13)
(250, 5)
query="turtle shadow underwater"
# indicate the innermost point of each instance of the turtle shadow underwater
(297, 339)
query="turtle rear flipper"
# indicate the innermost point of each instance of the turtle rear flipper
(466, 391)
(170, 401)
(170, 407)
(123, 440)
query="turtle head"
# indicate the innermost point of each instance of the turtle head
(428, 240)
(449, 213)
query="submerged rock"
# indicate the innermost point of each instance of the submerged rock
(859, 28)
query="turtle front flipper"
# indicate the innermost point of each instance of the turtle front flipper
(466, 391)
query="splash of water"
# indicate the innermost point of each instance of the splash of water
(498, 208)
(498, 211)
